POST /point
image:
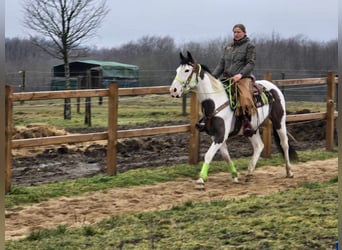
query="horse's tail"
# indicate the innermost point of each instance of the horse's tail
(292, 151)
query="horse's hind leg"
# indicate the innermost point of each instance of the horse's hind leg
(258, 146)
(284, 143)
(278, 118)
(225, 154)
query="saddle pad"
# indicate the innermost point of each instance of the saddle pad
(261, 96)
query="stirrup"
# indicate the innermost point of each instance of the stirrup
(248, 132)
(200, 126)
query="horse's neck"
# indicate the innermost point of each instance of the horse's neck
(206, 90)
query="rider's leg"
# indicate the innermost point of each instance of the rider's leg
(246, 106)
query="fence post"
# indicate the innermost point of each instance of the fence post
(330, 125)
(87, 117)
(78, 104)
(8, 136)
(184, 105)
(194, 133)
(267, 130)
(113, 100)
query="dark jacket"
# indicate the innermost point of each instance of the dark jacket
(238, 57)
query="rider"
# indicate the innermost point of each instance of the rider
(237, 63)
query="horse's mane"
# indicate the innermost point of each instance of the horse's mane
(205, 67)
(215, 82)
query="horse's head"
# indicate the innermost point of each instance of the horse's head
(186, 76)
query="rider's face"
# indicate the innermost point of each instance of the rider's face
(238, 33)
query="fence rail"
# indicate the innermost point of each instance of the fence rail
(112, 135)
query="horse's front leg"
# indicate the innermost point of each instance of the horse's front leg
(214, 147)
(231, 167)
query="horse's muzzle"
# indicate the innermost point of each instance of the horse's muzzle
(174, 92)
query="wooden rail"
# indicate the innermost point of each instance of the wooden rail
(112, 135)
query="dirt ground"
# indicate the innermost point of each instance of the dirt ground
(53, 164)
(35, 166)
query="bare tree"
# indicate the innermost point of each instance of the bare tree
(65, 24)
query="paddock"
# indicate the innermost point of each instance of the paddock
(112, 135)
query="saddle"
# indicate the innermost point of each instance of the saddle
(261, 95)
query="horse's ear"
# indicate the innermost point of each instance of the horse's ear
(190, 57)
(181, 56)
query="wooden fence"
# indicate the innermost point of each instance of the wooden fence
(112, 135)
(330, 114)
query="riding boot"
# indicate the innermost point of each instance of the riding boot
(200, 125)
(248, 130)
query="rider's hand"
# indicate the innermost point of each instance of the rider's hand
(237, 77)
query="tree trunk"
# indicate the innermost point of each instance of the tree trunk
(67, 101)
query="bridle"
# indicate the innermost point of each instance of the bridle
(189, 82)
(197, 69)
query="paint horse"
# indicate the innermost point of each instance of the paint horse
(221, 120)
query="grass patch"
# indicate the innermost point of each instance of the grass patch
(294, 106)
(301, 218)
(132, 111)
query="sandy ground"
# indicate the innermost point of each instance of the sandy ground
(90, 208)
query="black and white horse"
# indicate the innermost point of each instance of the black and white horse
(216, 107)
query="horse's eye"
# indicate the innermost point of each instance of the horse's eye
(187, 70)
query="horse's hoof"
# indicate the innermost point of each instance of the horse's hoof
(235, 180)
(200, 184)
(289, 175)
(200, 181)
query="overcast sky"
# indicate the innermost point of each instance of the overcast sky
(201, 20)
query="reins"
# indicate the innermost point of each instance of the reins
(229, 89)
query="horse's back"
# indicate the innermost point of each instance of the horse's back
(267, 84)
(271, 86)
